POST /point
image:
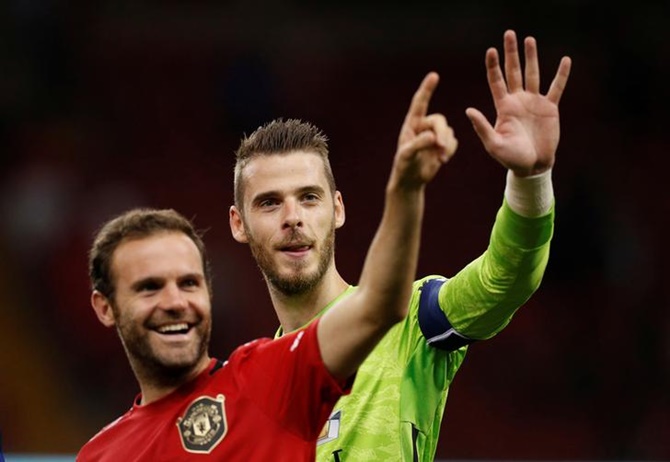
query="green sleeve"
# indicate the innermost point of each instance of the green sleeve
(481, 299)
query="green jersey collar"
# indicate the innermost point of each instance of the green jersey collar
(280, 330)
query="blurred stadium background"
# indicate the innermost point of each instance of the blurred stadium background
(113, 104)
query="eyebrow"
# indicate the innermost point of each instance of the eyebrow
(137, 285)
(276, 193)
(198, 276)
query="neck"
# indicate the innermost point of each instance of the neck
(158, 382)
(296, 310)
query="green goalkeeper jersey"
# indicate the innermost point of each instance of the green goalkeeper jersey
(394, 411)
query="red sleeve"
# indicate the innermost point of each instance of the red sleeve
(288, 380)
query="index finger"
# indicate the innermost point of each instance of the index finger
(419, 106)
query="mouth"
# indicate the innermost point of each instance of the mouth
(296, 249)
(180, 328)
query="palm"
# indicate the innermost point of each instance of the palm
(527, 129)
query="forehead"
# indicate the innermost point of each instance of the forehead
(284, 172)
(160, 255)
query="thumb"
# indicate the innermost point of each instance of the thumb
(482, 126)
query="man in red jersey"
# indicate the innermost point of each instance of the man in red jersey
(270, 400)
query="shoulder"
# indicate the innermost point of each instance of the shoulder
(268, 349)
(426, 289)
(112, 425)
(94, 445)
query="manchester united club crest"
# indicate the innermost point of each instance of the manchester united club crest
(203, 425)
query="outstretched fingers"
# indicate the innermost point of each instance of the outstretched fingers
(494, 75)
(512, 62)
(532, 70)
(418, 108)
(560, 80)
(513, 80)
(483, 128)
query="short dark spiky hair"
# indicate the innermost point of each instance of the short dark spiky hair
(137, 224)
(281, 137)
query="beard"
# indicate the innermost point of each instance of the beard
(161, 367)
(298, 281)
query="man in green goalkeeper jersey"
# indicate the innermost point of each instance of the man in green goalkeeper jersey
(287, 209)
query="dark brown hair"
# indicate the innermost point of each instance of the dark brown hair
(281, 137)
(136, 224)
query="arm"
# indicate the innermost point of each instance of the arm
(351, 329)
(480, 300)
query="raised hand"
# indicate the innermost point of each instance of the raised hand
(527, 129)
(425, 142)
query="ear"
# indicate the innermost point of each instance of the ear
(237, 226)
(102, 308)
(339, 210)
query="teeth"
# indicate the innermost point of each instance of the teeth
(173, 328)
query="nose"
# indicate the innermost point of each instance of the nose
(292, 214)
(172, 298)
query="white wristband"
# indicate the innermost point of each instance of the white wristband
(530, 196)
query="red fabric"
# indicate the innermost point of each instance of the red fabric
(277, 395)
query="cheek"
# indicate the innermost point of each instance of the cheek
(203, 304)
(264, 235)
(326, 224)
(124, 321)
(132, 311)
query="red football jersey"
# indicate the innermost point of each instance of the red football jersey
(268, 402)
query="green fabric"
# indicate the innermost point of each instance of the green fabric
(402, 385)
(481, 299)
(401, 389)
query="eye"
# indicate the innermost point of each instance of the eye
(149, 286)
(310, 197)
(270, 202)
(191, 282)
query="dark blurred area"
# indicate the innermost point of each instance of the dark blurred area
(110, 105)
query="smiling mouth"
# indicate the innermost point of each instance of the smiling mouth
(174, 329)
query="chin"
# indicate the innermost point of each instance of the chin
(180, 361)
(175, 362)
(174, 369)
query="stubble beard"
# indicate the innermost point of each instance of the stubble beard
(298, 282)
(151, 364)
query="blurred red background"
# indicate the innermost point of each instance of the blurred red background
(110, 105)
